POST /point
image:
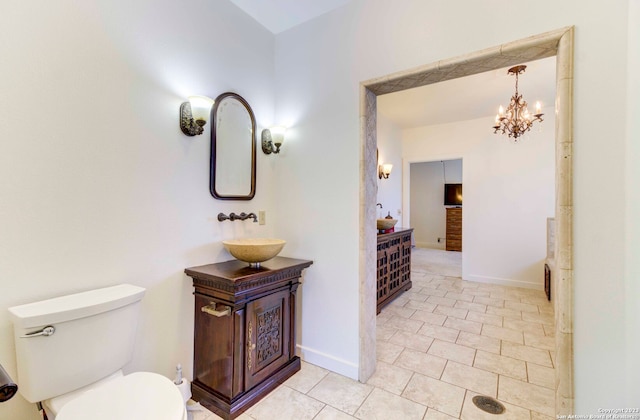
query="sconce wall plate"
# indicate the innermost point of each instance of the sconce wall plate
(188, 125)
(267, 142)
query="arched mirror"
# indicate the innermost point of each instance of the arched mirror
(233, 149)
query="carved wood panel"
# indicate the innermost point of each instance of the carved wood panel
(268, 330)
(269, 335)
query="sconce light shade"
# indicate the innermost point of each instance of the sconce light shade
(200, 107)
(195, 114)
(384, 170)
(277, 135)
(272, 139)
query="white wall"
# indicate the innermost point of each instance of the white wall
(99, 185)
(509, 191)
(426, 195)
(390, 151)
(319, 67)
(632, 285)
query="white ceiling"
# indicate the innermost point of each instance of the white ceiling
(460, 99)
(280, 15)
(469, 97)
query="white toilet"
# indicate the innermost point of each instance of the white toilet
(71, 349)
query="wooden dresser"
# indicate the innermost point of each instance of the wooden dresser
(454, 229)
(394, 265)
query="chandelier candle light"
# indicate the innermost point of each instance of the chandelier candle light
(516, 120)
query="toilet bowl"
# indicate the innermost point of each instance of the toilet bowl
(70, 352)
(139, 395)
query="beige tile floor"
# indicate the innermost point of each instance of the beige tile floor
(439, 344)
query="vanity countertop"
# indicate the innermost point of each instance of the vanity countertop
(235, 271)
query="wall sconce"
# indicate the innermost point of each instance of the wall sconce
(384, 170)
(194, 115)
(272, 139)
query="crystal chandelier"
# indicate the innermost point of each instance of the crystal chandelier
(516, 120)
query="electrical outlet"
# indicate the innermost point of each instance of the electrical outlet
(261, 217)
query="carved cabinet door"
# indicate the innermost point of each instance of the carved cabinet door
(268, 331)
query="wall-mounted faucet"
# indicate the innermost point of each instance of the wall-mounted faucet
(233, 217)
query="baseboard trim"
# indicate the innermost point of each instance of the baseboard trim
(431, 245)
(504, 282)
(327, 361)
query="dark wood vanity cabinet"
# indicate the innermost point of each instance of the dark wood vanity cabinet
(393, 265)
(244, 331)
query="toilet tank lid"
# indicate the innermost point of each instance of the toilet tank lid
(75, 306)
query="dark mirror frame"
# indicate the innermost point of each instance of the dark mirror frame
(212, 162)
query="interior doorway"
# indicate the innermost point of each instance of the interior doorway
(429, 183)
(557, 43)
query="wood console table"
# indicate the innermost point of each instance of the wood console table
(244, 331)
(394, 265)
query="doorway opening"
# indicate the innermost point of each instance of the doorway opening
(434, 186)
(558, 43)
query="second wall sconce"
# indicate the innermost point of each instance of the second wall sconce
(384, 170)
(272, 139)
(195, 114)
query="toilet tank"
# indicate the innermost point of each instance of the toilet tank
(94, 337)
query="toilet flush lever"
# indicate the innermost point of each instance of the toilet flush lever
(46, 331)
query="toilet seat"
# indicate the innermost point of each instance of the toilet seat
(137, 396)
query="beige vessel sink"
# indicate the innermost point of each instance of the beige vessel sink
(254, 250)
(384, 224)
